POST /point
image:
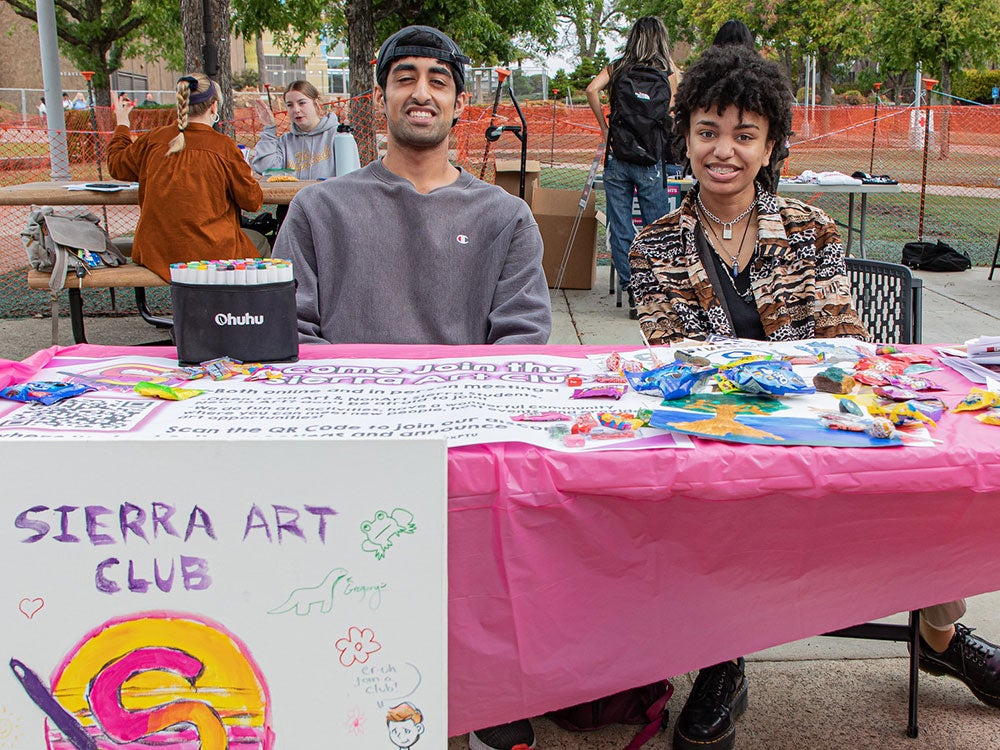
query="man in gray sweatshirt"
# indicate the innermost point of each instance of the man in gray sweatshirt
(411, 249)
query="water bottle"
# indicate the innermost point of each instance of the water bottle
(345, 150)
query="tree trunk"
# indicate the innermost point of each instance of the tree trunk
(824, 61)
(192, 27)
(944, 126)
(360, 17)
(221, 13)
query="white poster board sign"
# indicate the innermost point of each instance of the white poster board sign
(213, 594)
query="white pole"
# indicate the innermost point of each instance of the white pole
(54, 115)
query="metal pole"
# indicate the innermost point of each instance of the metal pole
(928, 84)
(55, 118)
(88, 74)
(871, 163)
(552, 153)
(502, 74)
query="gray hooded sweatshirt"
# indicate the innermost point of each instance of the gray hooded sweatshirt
(310, 154)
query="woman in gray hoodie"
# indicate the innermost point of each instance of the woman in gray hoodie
(308, 146)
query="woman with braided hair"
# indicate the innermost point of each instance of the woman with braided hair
(193, 181)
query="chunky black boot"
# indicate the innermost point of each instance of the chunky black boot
(708, 719)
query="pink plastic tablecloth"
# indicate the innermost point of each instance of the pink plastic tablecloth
(577, 575)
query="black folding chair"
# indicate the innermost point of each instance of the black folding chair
(888, 298)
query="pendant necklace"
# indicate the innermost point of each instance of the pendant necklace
(727, 226)
(747, 295)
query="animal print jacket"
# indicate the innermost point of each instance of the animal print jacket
(798, 277)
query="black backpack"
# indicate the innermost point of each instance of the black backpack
(640, 121)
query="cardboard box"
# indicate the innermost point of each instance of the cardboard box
(509, 176)
(556, 212)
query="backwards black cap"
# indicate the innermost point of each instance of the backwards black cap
(415, 41)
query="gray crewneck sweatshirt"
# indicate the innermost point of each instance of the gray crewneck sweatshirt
(378, 262)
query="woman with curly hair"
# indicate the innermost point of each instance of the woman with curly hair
(737, 260)
(193, 181)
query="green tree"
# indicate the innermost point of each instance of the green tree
(94, 34)
(941, 34)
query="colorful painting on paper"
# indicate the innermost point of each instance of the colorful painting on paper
(164, 679)
(728, 425)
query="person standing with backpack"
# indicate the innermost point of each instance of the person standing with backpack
(638, 157)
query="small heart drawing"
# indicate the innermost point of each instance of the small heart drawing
(31, 607)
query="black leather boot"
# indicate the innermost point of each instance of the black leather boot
(708, 719)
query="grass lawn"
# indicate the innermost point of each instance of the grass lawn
(967, 223)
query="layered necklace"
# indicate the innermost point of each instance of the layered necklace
(747, 294)
(727, 226)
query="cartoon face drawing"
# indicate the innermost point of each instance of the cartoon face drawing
(405, 723)
(380, 531)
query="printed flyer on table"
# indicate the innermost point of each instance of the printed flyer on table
(464, 400)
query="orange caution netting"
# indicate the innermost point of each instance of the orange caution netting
(961, 189)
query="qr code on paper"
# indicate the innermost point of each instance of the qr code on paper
(81, 414)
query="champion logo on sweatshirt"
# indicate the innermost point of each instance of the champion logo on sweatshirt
(462, 239)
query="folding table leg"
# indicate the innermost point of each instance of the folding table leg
(996, 252)
(76, 315)
(912, 730)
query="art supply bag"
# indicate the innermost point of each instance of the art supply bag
(253, 323)
(646, 706)
(930, 256)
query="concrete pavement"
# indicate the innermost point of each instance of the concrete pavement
(816, 694)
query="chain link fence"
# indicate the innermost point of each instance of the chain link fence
(961, 194)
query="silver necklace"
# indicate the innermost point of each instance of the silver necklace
(747, 295)
(727, 226)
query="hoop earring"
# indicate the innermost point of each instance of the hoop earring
(215, 118)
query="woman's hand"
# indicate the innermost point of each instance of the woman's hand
(263, 112)
(123, 108)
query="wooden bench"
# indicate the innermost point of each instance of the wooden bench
(129, 276)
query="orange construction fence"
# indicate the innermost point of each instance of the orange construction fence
(961, 201)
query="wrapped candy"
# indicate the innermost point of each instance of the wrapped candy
(769, 378)
(878, 427)
(544, 416)
(978, 398)
(607, 391)
(672, 381)
(165, 392)
(905, 412)
(619, 421)
(991, 417)
(43, 391)
(913, 383)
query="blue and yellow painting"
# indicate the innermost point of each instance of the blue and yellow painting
(737, 418)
